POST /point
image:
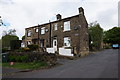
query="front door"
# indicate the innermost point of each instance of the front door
(55, 44)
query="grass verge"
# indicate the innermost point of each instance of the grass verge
(23, 66)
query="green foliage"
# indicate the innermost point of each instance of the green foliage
(29, 65)
(33, 47)
(18, 58)
(6, 40)
(23, 37)
(24, 58)
(12, 58)
(112, 36)
(4, 50)
(95, 35)
(32, 57)
(15, 44)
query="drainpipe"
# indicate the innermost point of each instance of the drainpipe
(38, 35)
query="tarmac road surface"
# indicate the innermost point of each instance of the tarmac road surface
(103, 64)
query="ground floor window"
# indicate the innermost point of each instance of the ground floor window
(28, 42)
(67, 41)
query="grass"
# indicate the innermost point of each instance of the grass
(30, 65)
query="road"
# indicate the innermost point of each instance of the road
(103, 64)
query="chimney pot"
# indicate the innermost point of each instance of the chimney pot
(58, 16)
(81, 10)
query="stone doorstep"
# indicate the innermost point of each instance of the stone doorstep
(66, 57)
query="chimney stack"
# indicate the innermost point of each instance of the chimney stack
(59, 17)
(81, 10)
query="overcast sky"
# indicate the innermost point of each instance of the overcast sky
(20, 14)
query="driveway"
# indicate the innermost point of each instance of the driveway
(103, 64)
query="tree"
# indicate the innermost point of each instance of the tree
(112, 36)
(7, 37)
(23, 37)
(9, 32)
(95, 36)
(6, 40)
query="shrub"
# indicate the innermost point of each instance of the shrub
(12, 58)
(4, 50)
(33, 47)
(24, 58)
(107, 47)
(15, 44)
(18, 58)
(26, 49)
(32, 57)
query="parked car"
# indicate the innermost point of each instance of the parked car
(115, 46)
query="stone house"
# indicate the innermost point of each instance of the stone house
(68, 36)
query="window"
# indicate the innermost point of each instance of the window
(67, 41)
(55, 26)
(29, 33)
(67, 26)
(43, 30)
(36, 30)
(29, 42)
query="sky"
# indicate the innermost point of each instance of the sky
(21, 14)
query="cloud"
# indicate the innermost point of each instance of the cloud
(27, 13)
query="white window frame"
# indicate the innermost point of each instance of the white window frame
(43, 30)
(55, 26)
(29, 32)
(67, 26)
(67, 41)
(36, 30)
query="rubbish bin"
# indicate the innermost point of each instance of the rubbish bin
(4, 57)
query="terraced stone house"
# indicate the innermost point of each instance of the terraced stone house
(68, 36)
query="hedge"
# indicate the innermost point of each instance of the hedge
(32, 57)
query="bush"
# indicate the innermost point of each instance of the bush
(24, 58)
(15, 44)
(4, 50)
(33, 47)
(107, 47)
(32, 57)
(12, 58)
(15, 57)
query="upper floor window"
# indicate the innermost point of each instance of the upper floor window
(67, 41)
(55, 26)
(43, 30)
(67, 26)
(36, 30)
(29, 33)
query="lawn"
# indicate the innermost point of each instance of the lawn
(30, 65)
